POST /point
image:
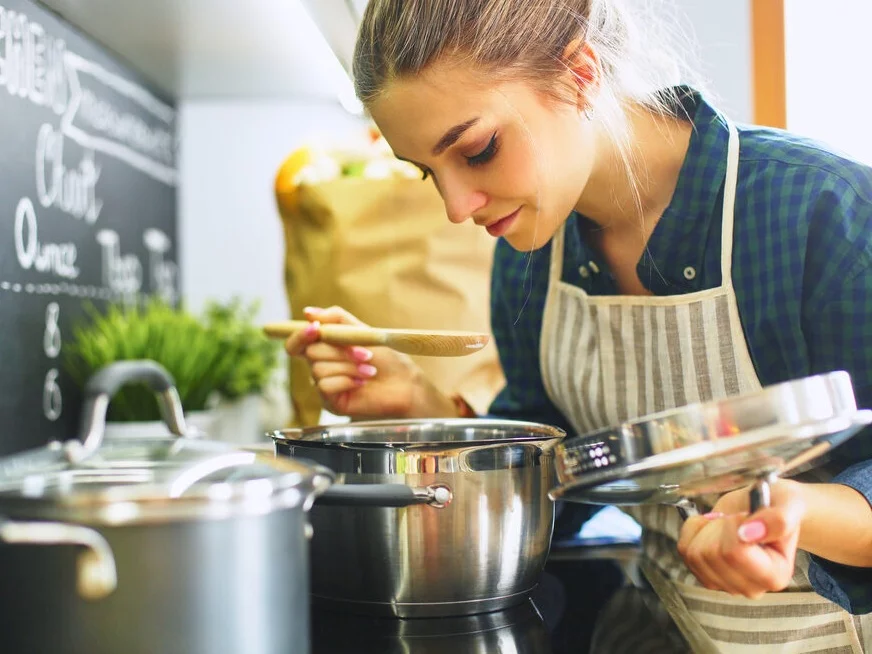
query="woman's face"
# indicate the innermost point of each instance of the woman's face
(503, 154)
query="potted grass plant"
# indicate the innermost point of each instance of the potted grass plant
(220, 360)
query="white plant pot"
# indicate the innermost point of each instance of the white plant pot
(202, 422)
(240, 421)
(237, 422)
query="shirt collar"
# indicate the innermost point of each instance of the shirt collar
(677, 244)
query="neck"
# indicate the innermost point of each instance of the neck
(625, 201)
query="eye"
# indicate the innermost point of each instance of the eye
(425, 173)
(485, 155)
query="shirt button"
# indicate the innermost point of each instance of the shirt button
(584, 272)
(594, 267)
(690, 273)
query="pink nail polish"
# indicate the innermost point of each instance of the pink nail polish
(713, 515)
(361, 354)
(359, 382)
(753, 531)
(366, 370)
(312, 328)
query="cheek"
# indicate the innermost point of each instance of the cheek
(520, 173)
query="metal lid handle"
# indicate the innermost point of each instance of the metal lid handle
(106, 383)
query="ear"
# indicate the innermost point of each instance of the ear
(583, 63)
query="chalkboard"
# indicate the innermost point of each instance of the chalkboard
(87, 208)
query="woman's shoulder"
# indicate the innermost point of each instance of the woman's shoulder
(779, 153)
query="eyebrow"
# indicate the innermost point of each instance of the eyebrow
(450, 137)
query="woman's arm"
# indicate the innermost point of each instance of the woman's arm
(837, 524)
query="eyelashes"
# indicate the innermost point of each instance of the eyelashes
(485, 155)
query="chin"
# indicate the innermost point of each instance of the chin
(523, 240)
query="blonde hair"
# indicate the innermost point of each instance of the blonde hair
(526, 40)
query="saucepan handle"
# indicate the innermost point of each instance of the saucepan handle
(760, 497)
(96, 575)
(385, 495)
(761, 492)
(686, 508)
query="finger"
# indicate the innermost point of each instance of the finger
(773, 523)
(694, 543)
(339, 384)
(706, 558)
(324, 369)
(297, 343)
(689, 530)
(733, 502)
(759, 568)
(701, 569)
(332, 314)
(323, 352)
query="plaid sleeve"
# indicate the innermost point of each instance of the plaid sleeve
(838, 327)
(837, 296)
(518, 290)
(849, 587)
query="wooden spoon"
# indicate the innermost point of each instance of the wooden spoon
(410, 341)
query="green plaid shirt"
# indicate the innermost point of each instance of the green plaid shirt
(801, 270)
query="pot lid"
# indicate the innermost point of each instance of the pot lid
(711, 447)
(132, 479)
(401, 434)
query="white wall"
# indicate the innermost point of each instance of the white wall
(828, 92)
(229, 229)
(722, 31)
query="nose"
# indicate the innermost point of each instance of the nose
(461, 201)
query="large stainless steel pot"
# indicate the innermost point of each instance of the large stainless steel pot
(435, 517)
(153, 545)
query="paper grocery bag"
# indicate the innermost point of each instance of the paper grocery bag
(385, 251)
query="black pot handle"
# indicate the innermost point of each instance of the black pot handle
(385, 495)
(105, 383)
(760, 492)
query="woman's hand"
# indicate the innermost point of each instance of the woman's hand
(365, 383)
(746, 555)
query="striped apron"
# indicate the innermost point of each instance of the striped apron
(606, 359)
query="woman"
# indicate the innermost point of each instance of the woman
(651, 255)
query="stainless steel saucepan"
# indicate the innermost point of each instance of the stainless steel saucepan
(429, 517)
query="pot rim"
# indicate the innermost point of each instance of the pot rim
(369, 435)
(130, 494)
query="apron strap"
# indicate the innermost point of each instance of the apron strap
(729, 204)
(548, 313)
(556, 268)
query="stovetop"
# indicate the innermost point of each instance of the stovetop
(558, 619)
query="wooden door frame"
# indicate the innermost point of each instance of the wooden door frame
(768, 63)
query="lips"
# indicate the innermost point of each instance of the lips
(501, 226)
